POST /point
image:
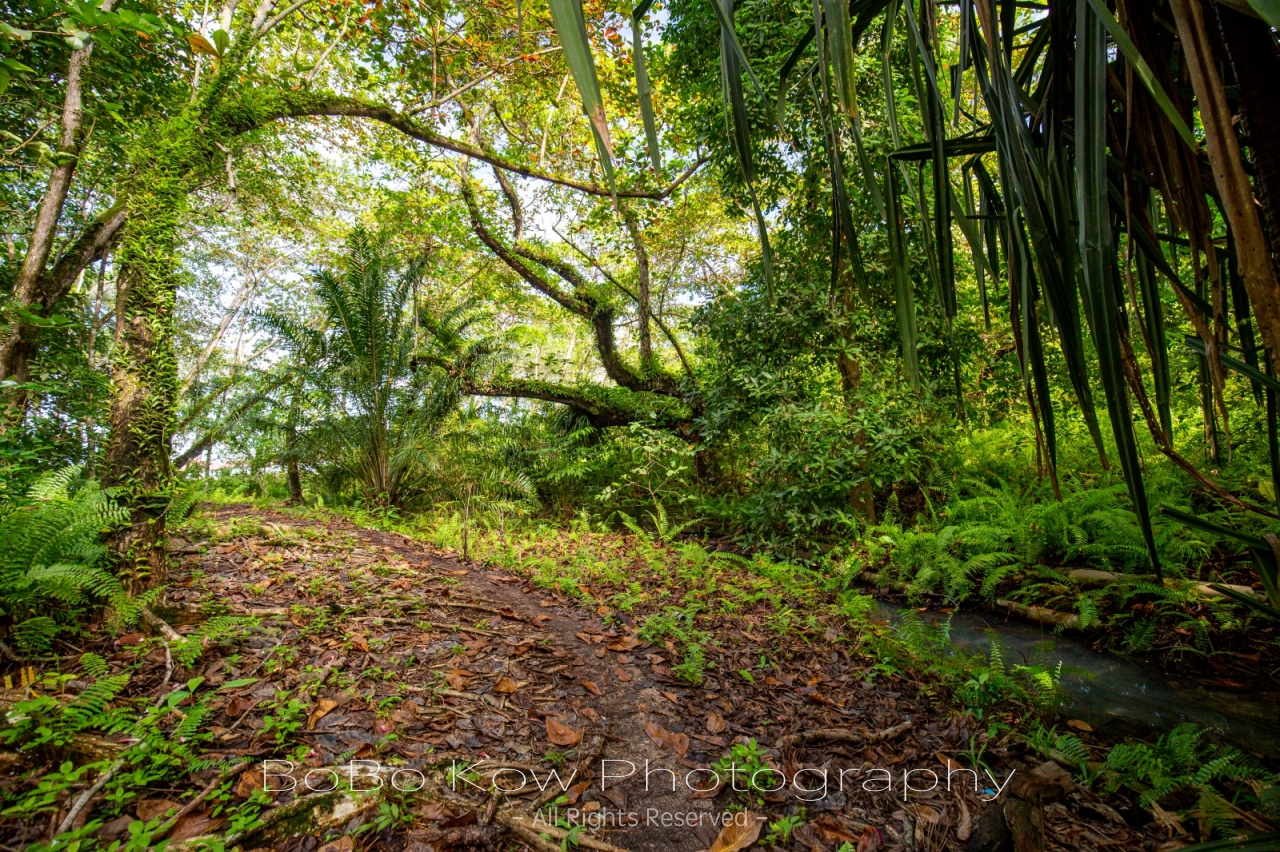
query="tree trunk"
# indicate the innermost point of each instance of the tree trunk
(26, 284)
(144, 373)
(1255, 64)
(1228, 171)
(642, 290)
(291, 463)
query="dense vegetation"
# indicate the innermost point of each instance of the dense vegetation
(974, 304)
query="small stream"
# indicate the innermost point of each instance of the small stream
(1116, 694)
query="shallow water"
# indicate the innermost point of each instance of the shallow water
(1110, 691)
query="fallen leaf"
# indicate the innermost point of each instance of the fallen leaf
(436, 812)
(505, 685)
(1079, 725)
(575, 792)
(831, 830)
(149, 809)
(359, 641)
(715, 723)
(251, 781)
(965, 829)
(591, 714)
(561, 734)
(131, 639)
(679, 743)
(626, 643)
(671, 696)
(590, 686)
(739, 833)
(458, 678)
(871, 840)
(195, 825)
(323, 706)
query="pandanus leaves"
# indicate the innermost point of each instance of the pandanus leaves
(733, 63)
(571, 29)
(1097, 253)
(643, 90)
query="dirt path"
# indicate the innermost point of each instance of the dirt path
(392, 651)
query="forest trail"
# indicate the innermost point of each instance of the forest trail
(368, 634)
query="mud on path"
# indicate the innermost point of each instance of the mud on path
(394, 652)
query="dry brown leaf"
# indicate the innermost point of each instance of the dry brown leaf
(591, 714)
(575, 792)
(149, 809)
(715, 723)
(561, 734)
(250, 782)
(679, 743)
(1079, 724)
(359, 641)
(626, 643)
(458, 678)
(195, 825)
(871, 840)
(506, 685)
(590, 686)
(738, 834)
(831, 830)
(322, 708)
(965, 829)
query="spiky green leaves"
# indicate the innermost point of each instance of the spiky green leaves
(571, 29)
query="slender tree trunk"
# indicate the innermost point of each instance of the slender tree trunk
(295, 481)
(643, 290)
(17, 345)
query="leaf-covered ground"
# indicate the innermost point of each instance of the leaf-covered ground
(367, 646)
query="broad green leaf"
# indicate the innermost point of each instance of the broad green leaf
(200, 44)
(14, 33)
(1268, 10)
(237, 684)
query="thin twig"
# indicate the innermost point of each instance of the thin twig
(221, 779)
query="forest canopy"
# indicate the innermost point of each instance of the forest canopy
(765, 267)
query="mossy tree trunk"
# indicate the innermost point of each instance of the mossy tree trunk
(144, 373)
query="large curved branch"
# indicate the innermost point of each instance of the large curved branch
(300, 104)
(538, 282)
(582, 302)
(592, 403)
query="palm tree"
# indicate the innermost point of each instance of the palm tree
(386, 411)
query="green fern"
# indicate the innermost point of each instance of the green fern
(94, 665)
(49, 564)
(87, 709)
(1183, 760)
